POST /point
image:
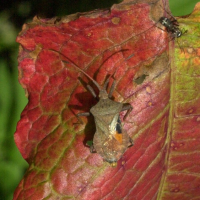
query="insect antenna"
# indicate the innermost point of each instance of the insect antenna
(112, 88)
(88, 76)
(106, 82)
(77, 67)
(167, 11)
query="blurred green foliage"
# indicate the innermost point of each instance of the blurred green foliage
(13, 14)
(182, 7)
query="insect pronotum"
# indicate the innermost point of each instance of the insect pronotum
(110, 139)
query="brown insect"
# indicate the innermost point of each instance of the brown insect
(110, 139)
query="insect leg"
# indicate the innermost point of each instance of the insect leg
(175, 22)
(184, 31)
(91, 91)
(106, 83)
(112, 89)
(128, 107)
(82, 114)
(160, 28)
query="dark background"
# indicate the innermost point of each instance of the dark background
(13, 14)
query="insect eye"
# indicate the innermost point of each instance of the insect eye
(179, 34)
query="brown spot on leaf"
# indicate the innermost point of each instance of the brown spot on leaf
(148, 89)
(175, 190)
(172, 144)
(123, 162)
(190, 50)
(191, 111)
(181, 144)
(115, 20)
(34, 54)
(89, 34)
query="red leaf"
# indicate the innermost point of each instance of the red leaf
(126, 43)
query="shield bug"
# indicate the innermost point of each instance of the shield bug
(110, 139)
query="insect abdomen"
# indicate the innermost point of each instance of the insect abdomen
(111, 148)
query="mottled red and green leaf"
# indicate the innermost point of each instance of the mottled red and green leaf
(124, 41)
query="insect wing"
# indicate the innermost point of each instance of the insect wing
(106, 113)
(111, 146)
